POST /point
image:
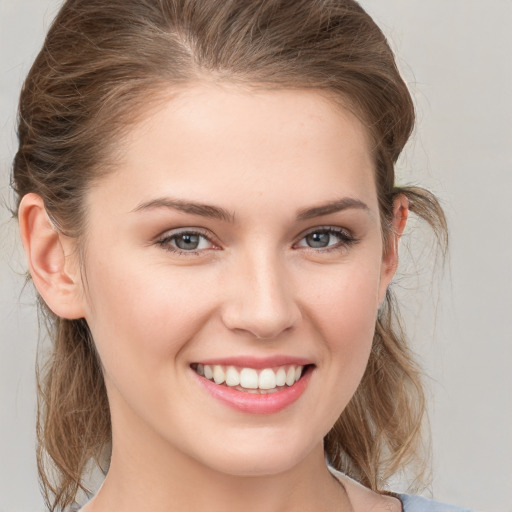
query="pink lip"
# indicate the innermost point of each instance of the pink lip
(256, 403)
(258, 363)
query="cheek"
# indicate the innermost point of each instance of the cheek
(344, 314)
(142, 316)
(347, 301)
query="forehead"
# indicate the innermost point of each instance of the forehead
(214, 141)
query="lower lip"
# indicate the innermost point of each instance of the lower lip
(257, 403)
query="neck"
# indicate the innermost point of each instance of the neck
(153, 477)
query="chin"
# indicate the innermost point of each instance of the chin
(259, 459)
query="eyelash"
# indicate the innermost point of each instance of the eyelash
(165, 241)
(346, 240)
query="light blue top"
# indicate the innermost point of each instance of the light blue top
(412, 503)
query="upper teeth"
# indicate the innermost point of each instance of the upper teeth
(250, 378)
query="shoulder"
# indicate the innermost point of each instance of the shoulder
(363, 498)
(412, 503)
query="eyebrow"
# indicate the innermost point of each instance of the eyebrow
(215, 212)
(332, 207)
(204, 210)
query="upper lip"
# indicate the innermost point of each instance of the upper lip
(256, 362)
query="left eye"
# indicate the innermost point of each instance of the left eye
(325, 238)
(186, 241)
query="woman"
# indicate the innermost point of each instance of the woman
(207, 203)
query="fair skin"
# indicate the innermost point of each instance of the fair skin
(262, 278)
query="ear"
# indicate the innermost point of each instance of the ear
(52, 263)
(390, 256)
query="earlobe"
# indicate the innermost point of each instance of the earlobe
(390, 257)
(53, 270)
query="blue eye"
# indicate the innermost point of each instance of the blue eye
(186, 241)
(326, 238)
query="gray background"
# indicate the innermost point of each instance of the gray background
(457, 57)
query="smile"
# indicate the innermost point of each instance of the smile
(255, 386)
(251, 380)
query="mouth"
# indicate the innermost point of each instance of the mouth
(255, 389)
(252, 380)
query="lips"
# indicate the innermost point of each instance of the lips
(250, 379)
(253, 385)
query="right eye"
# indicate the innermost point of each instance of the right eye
(186, 242)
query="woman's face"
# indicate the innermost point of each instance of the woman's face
(240, 237)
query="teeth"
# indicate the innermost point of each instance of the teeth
(267, 379)
(232, 377)
(281, 377)
(290, 376)
(218, 374)
(248, 379)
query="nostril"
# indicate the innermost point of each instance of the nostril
(261, 326)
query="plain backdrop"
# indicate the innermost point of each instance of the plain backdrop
(456, 56)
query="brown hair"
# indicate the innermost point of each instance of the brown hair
(100, 63)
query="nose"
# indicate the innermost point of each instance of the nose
(260, 299)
